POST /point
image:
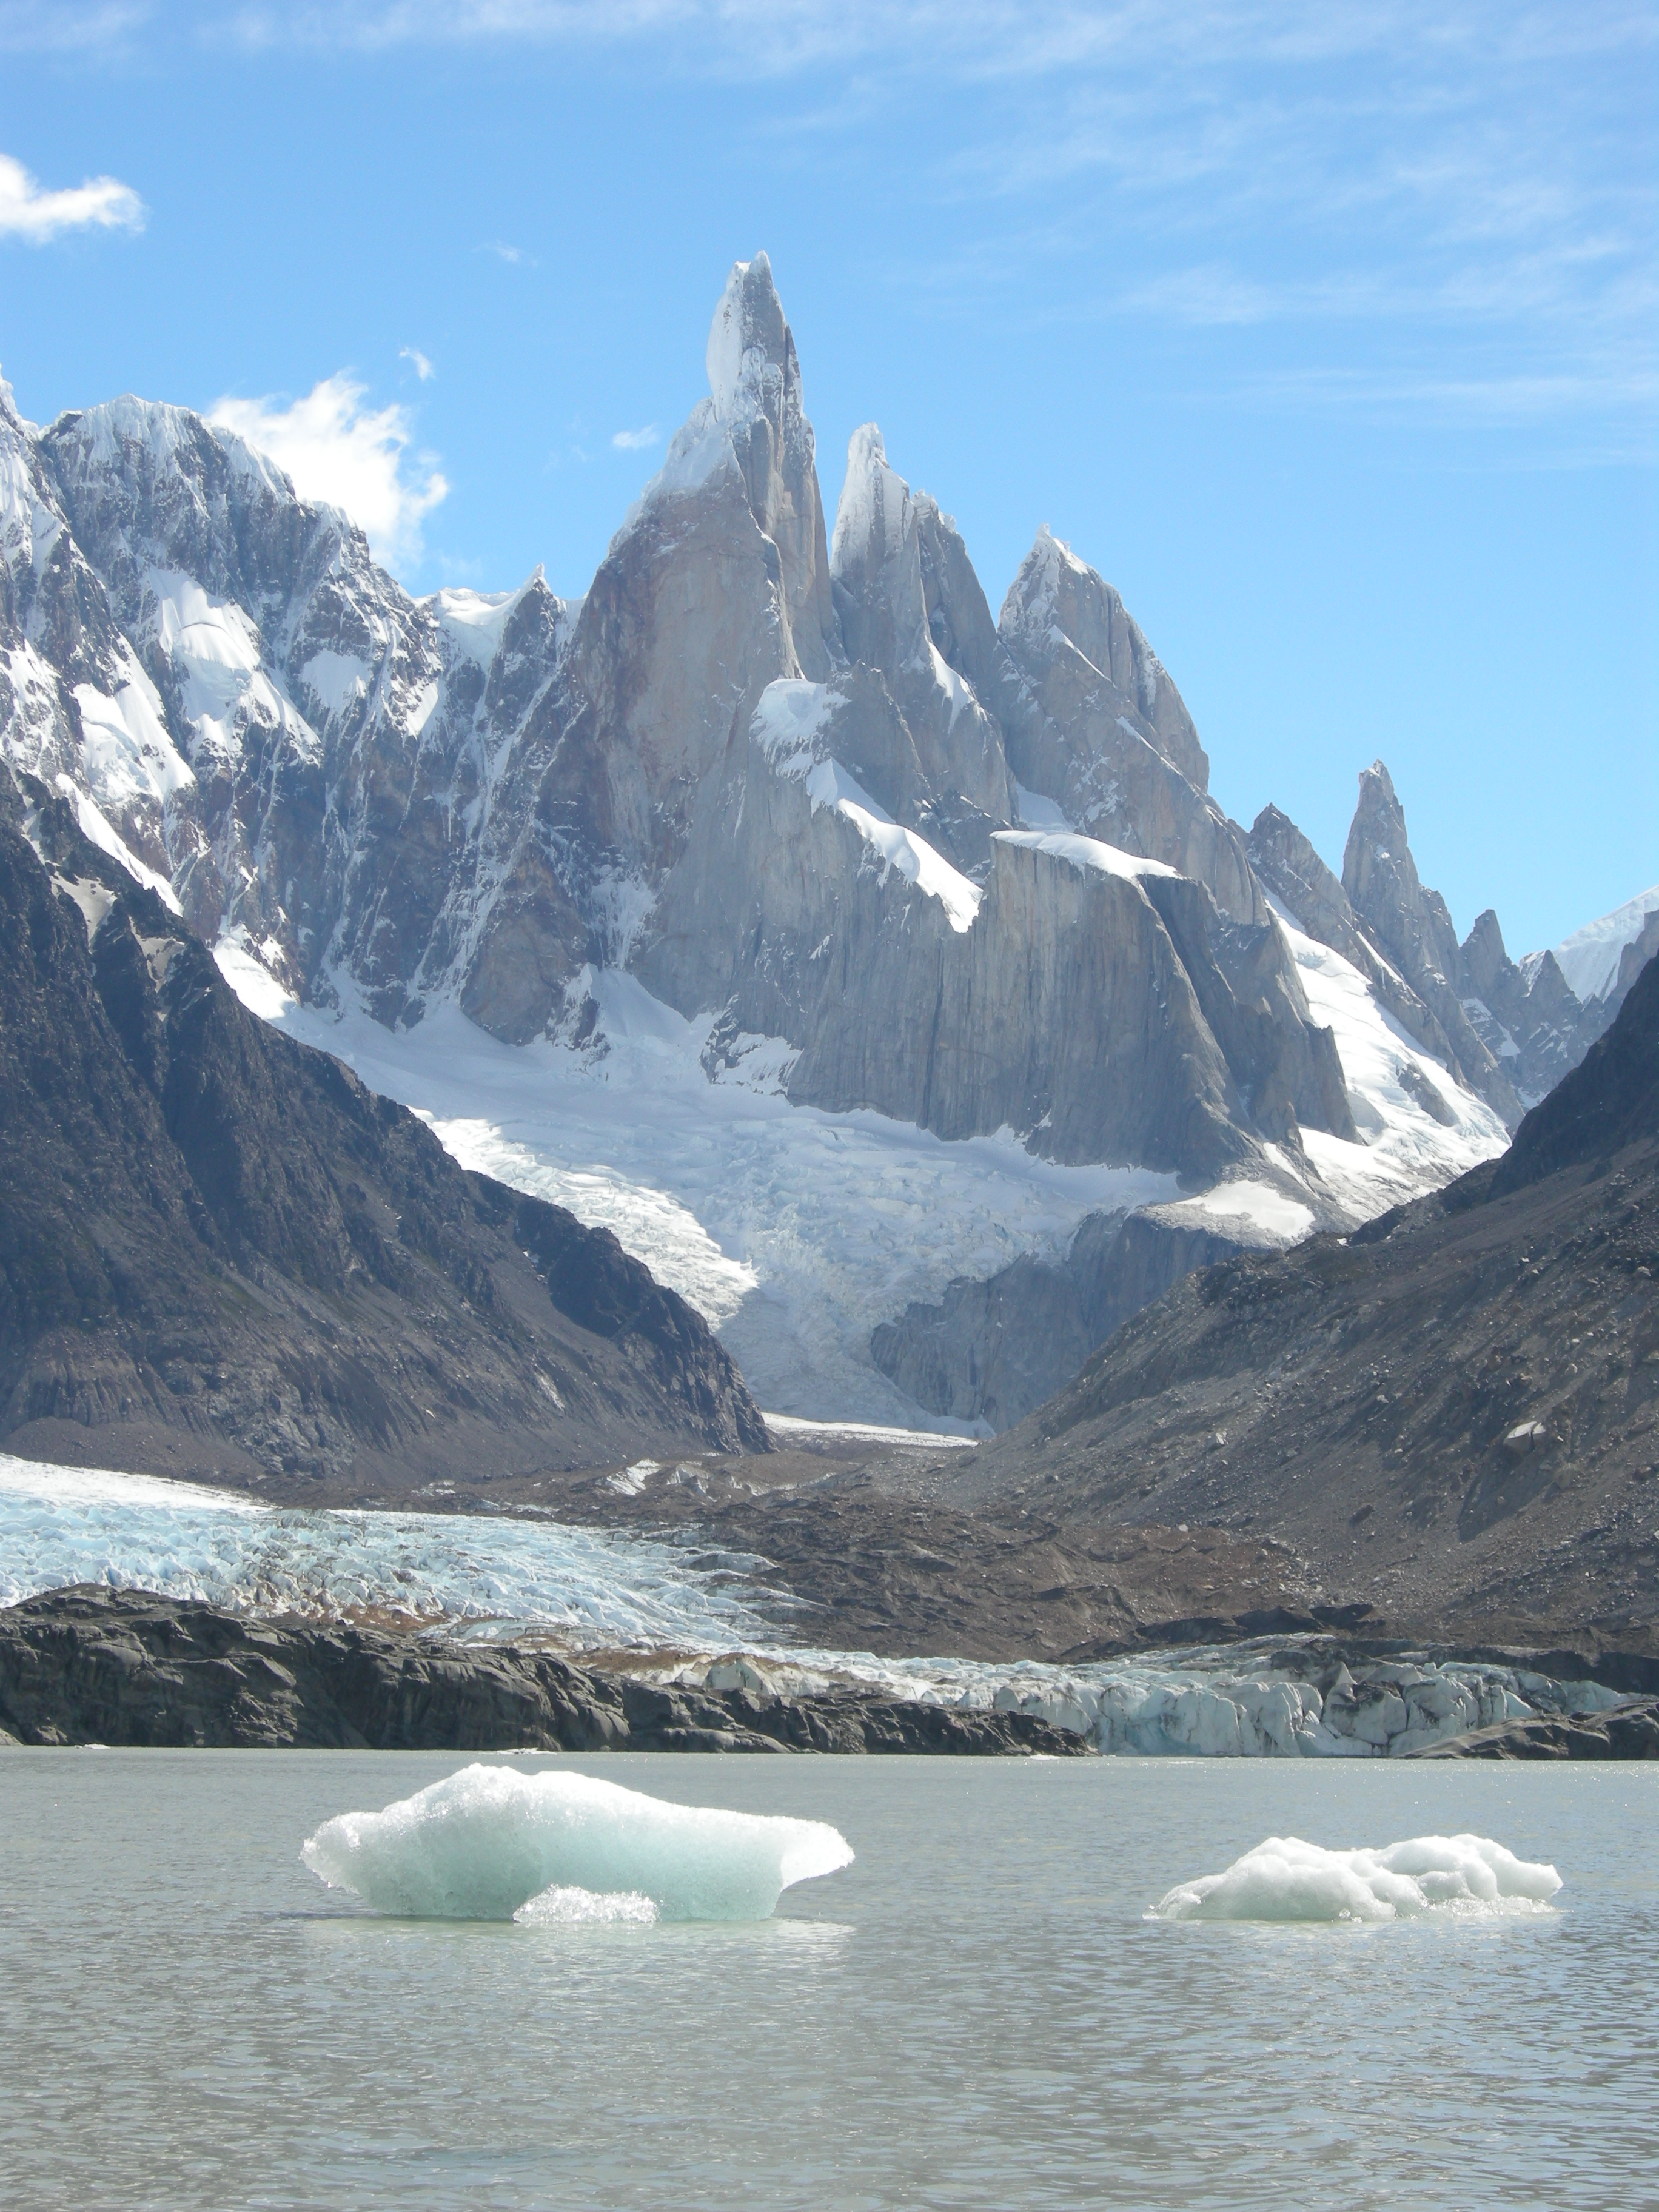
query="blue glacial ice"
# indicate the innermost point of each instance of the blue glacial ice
(596, 1588)
(1285, 1879)
(491, 1843)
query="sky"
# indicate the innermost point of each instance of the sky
(1327, 332)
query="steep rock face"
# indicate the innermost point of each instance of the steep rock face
(1098, 1001)
(388, 802)
(881, 599)
(993, 1350)
(1109, 742)
(1286, 862)
(754, 388)
(76, 703)
(221, 1254)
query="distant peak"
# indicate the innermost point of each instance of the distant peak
(1379, 775)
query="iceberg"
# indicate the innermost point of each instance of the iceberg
(490, 1844)
(1285, 1879)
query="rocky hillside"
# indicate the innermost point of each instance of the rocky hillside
(1452, 1413)
(221, 1254)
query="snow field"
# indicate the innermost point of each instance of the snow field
(491, 1843)
(792, 1230)
(1285, 1879)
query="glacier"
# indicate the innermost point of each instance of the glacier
(491, 1843)
(795, 1231)
(679, 1612)
(595, 1589)
(1285, 1879)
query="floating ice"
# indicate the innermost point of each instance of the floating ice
(1284, 1879)
(490, 1844)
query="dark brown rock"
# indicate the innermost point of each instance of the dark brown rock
(124, 1668)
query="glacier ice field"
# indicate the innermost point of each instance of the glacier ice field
(690, 1613)
(794, 1231)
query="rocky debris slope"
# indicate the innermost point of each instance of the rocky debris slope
(124, 1668)
(1453, 1413)
(220, 1253)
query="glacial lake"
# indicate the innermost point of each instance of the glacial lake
(976, 2013)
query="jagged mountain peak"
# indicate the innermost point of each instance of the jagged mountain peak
(1054, 591)
(752, 430)
(748, 335)
(9, 413)
(874, 510)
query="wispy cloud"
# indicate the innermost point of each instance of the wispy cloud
(29, 211)
(338, 450)
(1262, 169)
(637, 441)
(76, 26)
(418, 361)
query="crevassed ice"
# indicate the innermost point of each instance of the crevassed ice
(60, 1526)
(489, 1842)
(496, 1575)
(1285, 1879)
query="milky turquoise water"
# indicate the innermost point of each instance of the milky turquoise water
(976, 2013)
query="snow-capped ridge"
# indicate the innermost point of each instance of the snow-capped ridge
(1590, 957)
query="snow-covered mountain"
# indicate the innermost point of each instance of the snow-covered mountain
(831, 940)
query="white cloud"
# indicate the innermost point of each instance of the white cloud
(338, 450)
(503, 252)
(98, 27)
(418, 361)
(27, 210)
(635, 441)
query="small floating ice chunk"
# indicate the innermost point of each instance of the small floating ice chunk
(488, 1842)
(1284, 1879)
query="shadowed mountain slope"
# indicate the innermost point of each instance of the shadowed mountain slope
(221, 1254)
(1453, 1413)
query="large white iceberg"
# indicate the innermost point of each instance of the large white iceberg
(487, 1842)
(1284, 1879)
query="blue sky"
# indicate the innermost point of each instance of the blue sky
(1327, 332)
